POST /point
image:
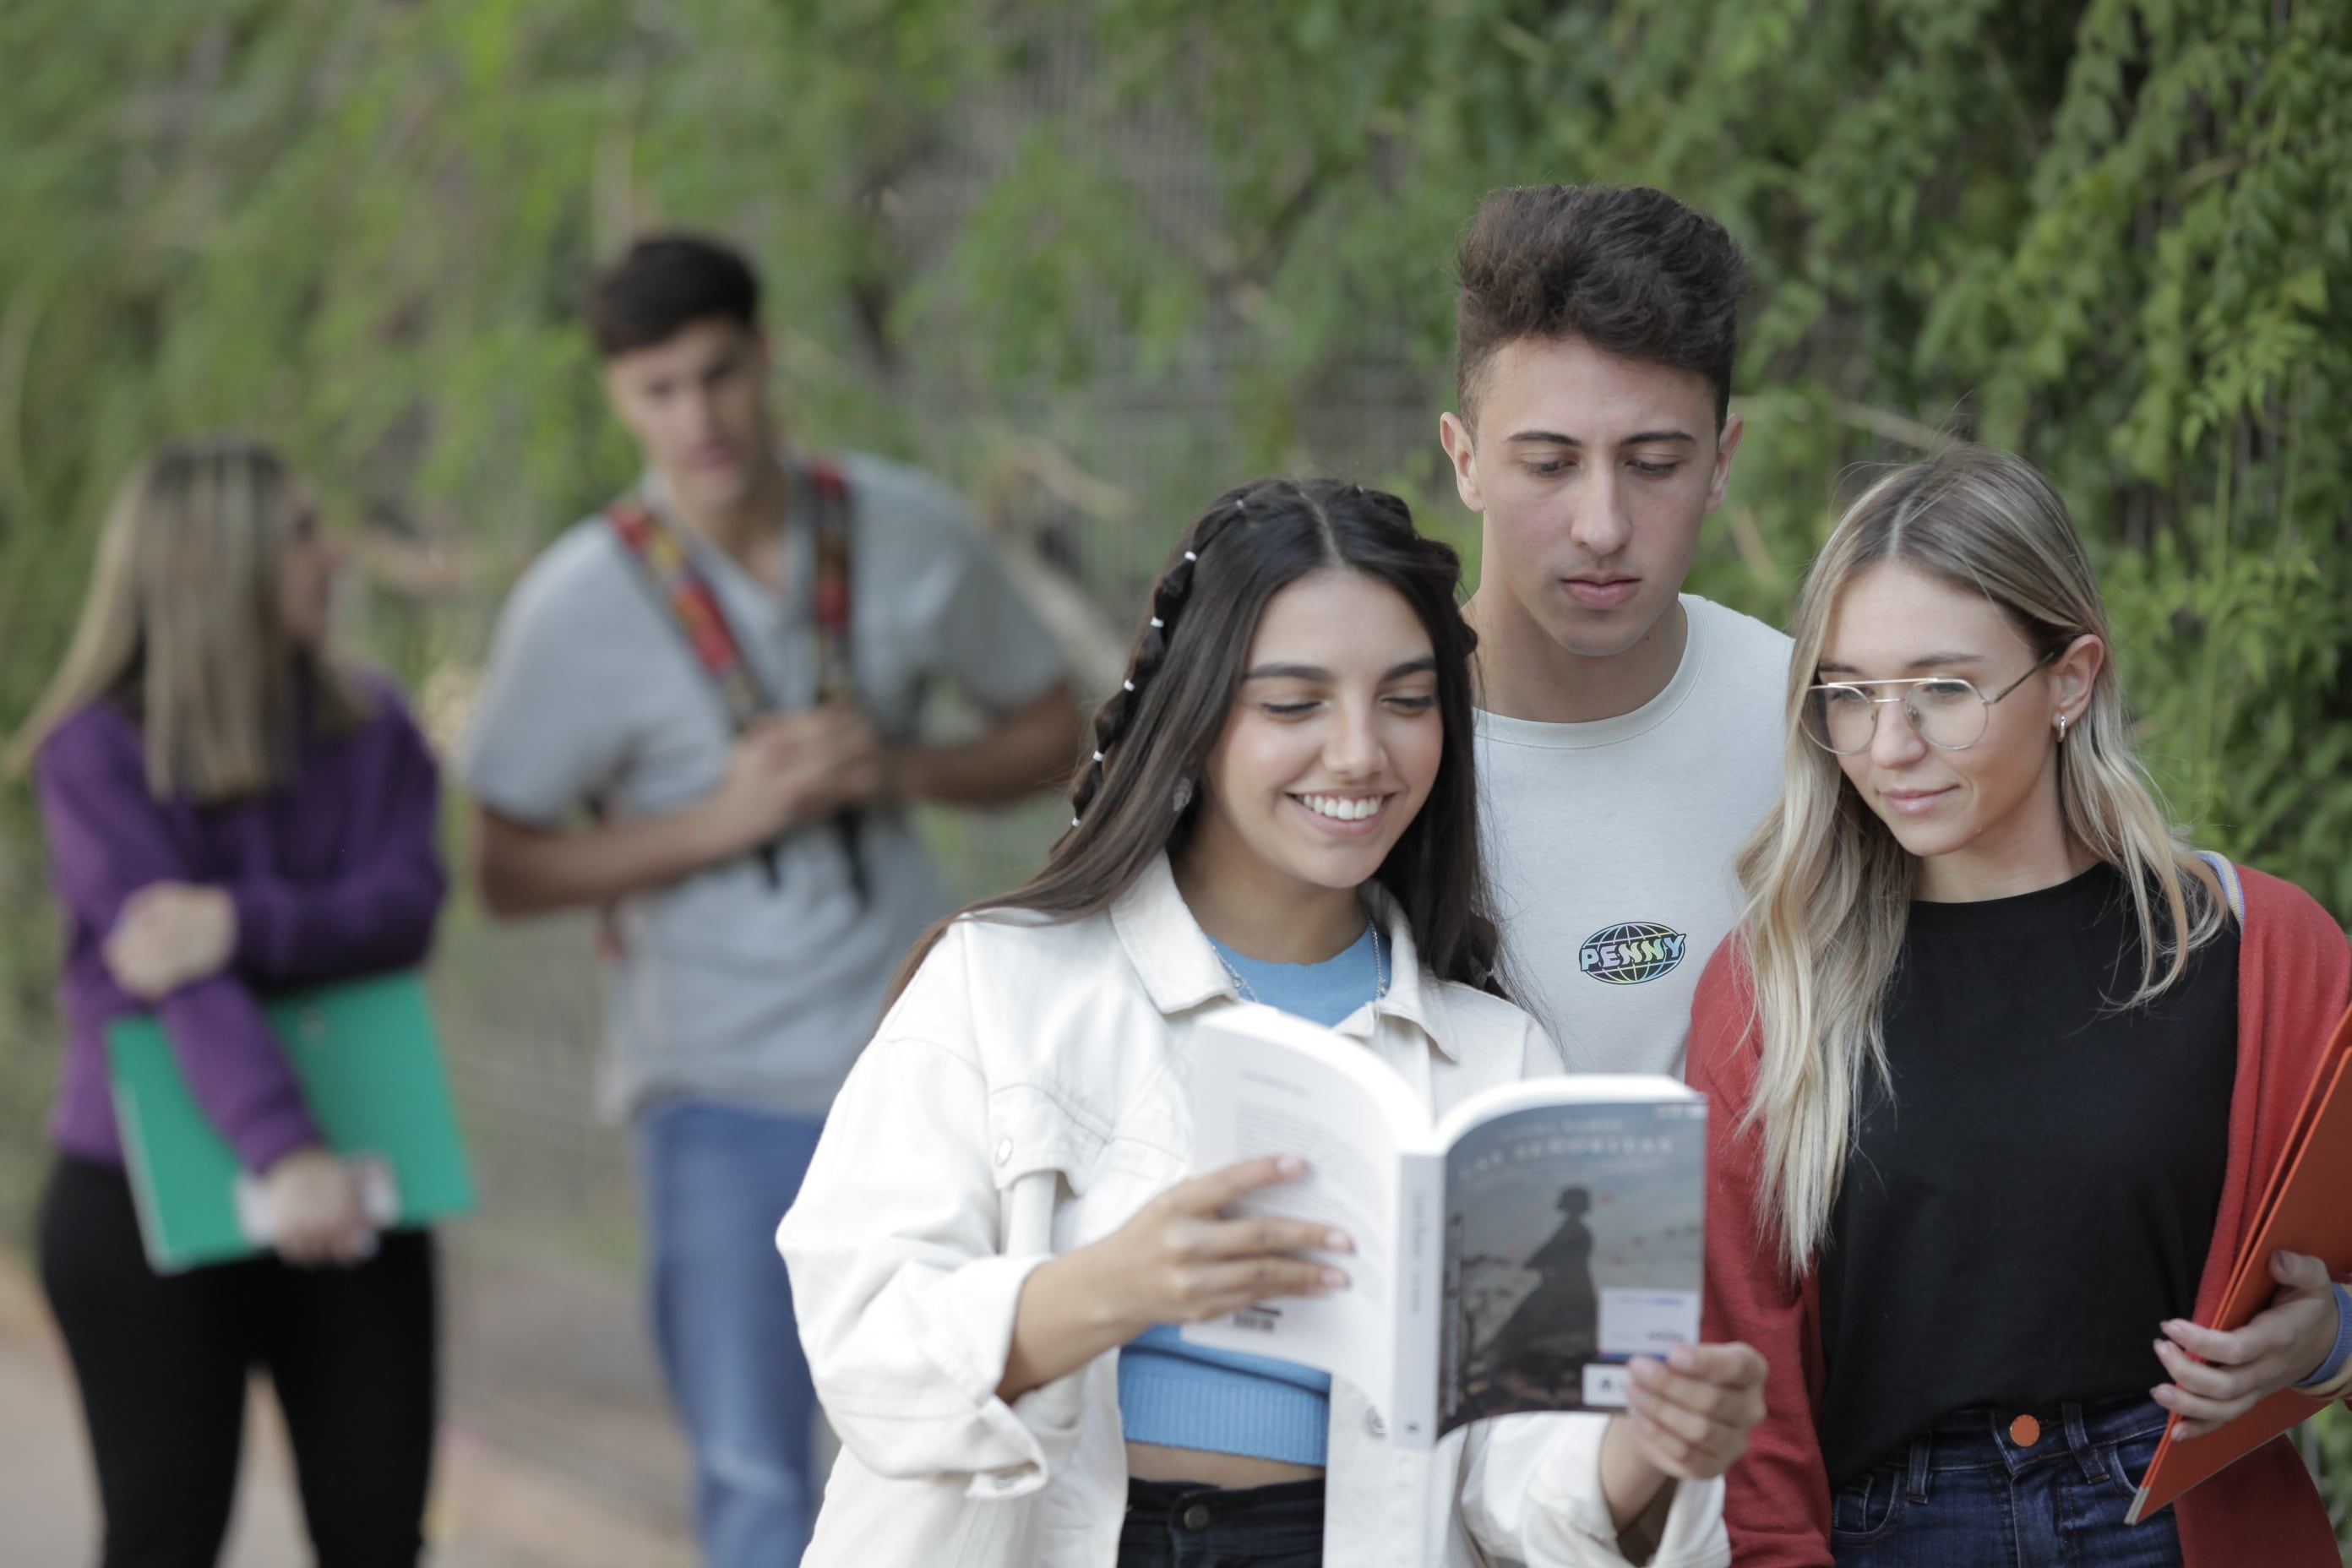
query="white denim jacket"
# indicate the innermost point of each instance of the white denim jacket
(1026, 1095)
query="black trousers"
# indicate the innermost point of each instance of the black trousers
(1182, 1524)
(163, 1361)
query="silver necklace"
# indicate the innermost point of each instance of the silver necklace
(1242, 987)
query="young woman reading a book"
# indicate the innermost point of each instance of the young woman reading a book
(998, 1237)
(229, 810)
(1996, 1077)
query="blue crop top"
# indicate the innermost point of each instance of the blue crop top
(1185, 1397)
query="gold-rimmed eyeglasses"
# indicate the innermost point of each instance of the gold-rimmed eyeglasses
(1948, 712)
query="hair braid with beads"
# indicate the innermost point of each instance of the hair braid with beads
(1153, 736)
(1168, 597)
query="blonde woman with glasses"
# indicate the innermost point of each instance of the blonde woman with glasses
(229, 809)
(1998, 1064)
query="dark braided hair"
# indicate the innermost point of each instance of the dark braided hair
(1153, 736)
(1151, 641)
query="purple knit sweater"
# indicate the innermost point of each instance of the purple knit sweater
(334, 877)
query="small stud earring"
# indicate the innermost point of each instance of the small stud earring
(1183, 794)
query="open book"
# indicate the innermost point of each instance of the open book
(1511, 1257)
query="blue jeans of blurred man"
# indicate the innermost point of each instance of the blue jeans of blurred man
(717, 1178)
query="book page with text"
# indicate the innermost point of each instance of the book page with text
(1333, 1104)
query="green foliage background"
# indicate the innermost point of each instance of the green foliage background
(2115, 235)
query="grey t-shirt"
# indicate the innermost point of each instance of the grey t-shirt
(727, 987)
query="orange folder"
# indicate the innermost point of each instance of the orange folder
(2305, 1209)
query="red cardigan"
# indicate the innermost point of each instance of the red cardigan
(2294, 974)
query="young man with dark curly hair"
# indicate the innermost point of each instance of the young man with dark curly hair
(1629, 733)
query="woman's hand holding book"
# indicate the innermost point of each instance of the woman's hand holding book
(1176, 1260)
(1687, 1417)
(2218, 1376)
(315, 1200)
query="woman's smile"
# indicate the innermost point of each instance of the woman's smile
(1351, 814)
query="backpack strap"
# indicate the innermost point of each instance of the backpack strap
(689, 604)
(2231, 888)
(827, 490)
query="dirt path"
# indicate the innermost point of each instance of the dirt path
(490, 1507)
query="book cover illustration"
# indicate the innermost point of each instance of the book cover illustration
(1574, 1241)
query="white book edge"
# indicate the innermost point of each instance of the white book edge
(1420, 1325)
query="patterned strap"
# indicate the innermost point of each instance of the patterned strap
(693, 607)
(829, 518)
(2231, 888)
(669, 572)
(828, 492)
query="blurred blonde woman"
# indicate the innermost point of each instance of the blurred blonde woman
(1996, 1070)
(228, 810)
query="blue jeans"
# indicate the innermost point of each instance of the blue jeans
(1970, 1494)
(1182, 1524)
(717, 1178)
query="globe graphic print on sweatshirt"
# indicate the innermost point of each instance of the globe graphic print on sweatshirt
(1632, 951)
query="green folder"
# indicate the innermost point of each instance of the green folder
(370, 1065)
